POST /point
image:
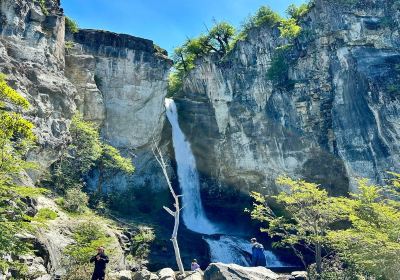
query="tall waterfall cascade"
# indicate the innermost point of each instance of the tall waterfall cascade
(223, 247)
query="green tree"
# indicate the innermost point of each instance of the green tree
(266, 16)
(80, 156)
(289, 29)
(71, 26)
(111, 162)
(309, 214)
(219, 37)
(16, 137)
(88, 236)
(86, 152)
(297, 12)
(75, 200)
(372, 242)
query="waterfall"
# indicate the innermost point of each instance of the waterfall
(223, 248)
(193, 213)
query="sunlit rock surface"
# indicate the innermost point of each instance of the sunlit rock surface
(334, 119)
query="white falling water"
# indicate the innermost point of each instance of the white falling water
(193, 213)
(232, 249)
(223, 248)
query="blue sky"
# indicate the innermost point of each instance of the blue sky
(167, 22)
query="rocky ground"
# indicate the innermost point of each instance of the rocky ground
(220, 271)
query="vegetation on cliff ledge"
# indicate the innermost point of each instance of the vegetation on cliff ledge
(222, 38)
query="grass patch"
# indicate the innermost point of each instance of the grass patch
(44, 215)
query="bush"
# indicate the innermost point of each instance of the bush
(278, 72)
(141, 243)
(88, 236)
(44, 215)
(85, 153)
(75, 201)
(297, 12)
(69, 45)
(289, 29)
(43, 7)
(71, 26)
(266, 16)
(175, 84)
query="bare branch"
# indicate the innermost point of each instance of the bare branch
(169, 211)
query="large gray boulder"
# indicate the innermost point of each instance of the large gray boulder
(121, 275)
(194, 275)
(166, 274)
(145, 275)
(221, 271)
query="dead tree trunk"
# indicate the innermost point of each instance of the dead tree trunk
(158, 155)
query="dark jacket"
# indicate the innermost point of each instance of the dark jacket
(258, 256)
(99, 265)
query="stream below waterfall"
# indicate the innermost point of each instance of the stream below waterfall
(223, 247)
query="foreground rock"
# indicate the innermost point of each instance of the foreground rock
(221, 271)
(166, 274)
(145, 275)
(121, 275)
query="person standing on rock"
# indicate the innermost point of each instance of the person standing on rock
(257, 256)
(100, 260)
(194, 266)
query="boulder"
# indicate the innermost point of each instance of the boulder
(221, 271)
(144, 275)
(299, 275)
(166, 274)
(121, 275)
(194, 275)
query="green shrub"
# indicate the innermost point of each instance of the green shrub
(75, 201)
(44, 215)
(16, 137)
(266, 16)
(43, 6)
(71, 26)
(297, 12)
(88, 236)
(175, 84)
(69, 45)
(85, 153)
(278, 71)
(289, 29)
(141, 243)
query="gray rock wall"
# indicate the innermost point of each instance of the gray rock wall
(335, 118)
(32, 56)
(122, 83)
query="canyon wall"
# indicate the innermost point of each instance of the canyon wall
(332, 117)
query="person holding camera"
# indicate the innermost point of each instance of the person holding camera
(100, 260)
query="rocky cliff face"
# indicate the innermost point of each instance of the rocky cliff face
(121, 84)
(335, 117)
(117, 81)
(32, 56)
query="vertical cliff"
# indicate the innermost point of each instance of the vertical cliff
(122, 82)
(32, 56)
(118, 81)
(331, 116)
